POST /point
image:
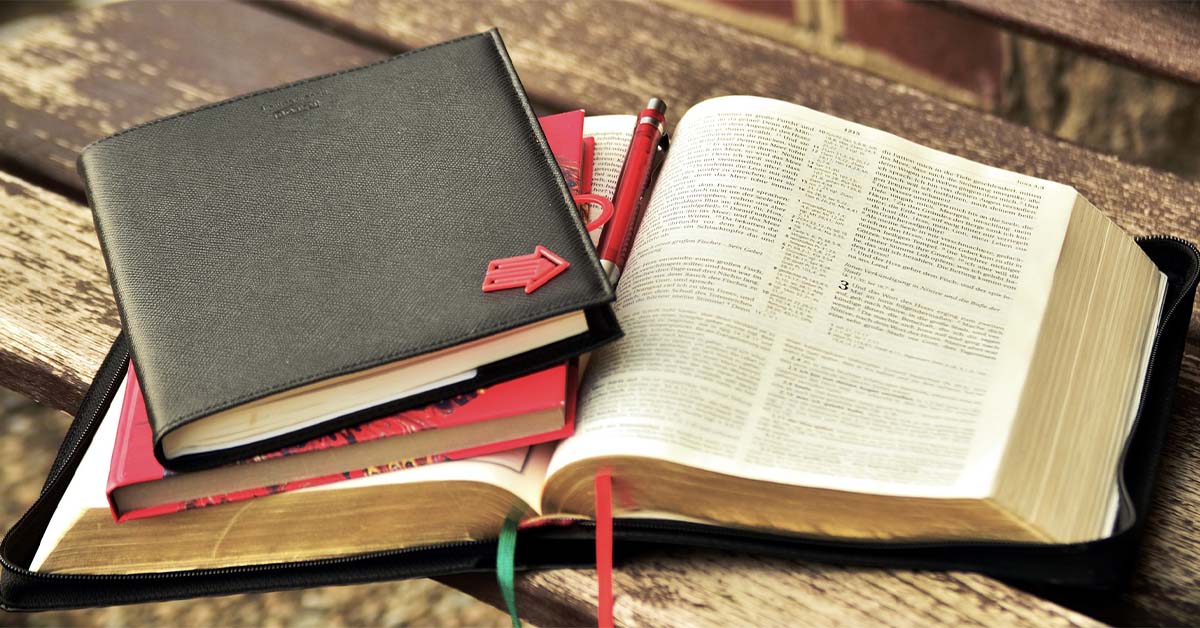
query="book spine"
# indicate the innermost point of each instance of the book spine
(125, 468)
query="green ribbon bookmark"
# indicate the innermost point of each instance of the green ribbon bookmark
(506, 550)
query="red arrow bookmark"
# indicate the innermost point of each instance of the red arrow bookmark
(529, 271)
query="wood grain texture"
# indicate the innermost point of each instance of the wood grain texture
(91, 73)
(709, 588)
(1157, 36)
(65, 320)
(57, 315)
(566, 57)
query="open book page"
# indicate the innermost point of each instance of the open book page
(815, 302)
(87, 487)
(612, 135)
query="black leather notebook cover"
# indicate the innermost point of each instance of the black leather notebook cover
(331, 225)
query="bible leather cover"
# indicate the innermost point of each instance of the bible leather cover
(1065, 569)
(331, 225)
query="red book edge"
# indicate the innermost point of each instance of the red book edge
(564, 133)
(133, 461)
(568, 428)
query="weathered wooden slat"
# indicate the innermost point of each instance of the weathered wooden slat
(1157, 36)
(57, 314)
(556, 60)
(707, 588)
(91, 73)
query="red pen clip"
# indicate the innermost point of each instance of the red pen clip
(606, 209)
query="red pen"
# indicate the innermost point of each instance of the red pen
(617, 238)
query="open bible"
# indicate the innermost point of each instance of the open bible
(830, 331)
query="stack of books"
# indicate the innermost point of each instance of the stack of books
(495, 425)
(521, 412)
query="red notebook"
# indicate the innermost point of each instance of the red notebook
(564, 133)
(505, 416)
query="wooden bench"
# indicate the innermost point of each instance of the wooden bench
(93, 72)
(1156, 37)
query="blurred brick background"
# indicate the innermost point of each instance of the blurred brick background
(1149, 120)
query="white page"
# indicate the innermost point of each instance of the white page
(744, 352)
(612, 135)
(87, 487)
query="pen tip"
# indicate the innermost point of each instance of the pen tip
(657, 105)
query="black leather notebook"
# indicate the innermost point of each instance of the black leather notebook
(306, 257)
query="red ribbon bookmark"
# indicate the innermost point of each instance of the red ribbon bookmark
(604, 548)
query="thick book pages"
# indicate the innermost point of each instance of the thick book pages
(367, 513)
(307, 257)
(521, 412)
(832, 333)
